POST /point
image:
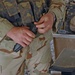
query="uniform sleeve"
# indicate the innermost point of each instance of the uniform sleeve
(5, 26)
(58, 8)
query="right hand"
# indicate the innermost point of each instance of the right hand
(21, 35)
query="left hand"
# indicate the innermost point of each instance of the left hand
(45, 23)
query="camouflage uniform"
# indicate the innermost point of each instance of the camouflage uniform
(36, 58)
(65, 22)
(70, 19)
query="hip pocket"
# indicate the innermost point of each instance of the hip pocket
(7, 43)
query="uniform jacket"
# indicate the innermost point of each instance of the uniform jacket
(12, 12)
(18, 13)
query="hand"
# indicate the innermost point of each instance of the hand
(21, 35)
(45, 23)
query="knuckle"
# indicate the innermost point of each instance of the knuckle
(24, 45)
(27, 43)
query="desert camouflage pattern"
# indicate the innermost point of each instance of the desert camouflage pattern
(59, 9)
(36, 58)
(65, 13)
(70, 24)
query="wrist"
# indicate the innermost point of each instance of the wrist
(54, 21)
(54, 16)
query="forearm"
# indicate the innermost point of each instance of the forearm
(5, 26)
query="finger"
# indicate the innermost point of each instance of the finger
(43, 25)
(41, 30)
(29, 33)
(40, 21)
(22, 44)
(26, 41)
(44, 30)
(27, 37)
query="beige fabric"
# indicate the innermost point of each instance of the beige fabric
(12, 63)
(40, 54)
(5, 26)
(36, 58)
(59, 9)
(72, 24)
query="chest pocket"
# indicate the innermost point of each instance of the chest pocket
(25, 12)
(11, 7)
(31, 10)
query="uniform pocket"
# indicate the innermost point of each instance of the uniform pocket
(26, 12)
(11, 7)
(7, 55)
(6, 48)
(1, 7)
(7, 43)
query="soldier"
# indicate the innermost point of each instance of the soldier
(66, 24)
(71, 16)
(15, 16)
(68, 27)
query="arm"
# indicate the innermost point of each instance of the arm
(46, 22)
(21, 35)
(58, 7)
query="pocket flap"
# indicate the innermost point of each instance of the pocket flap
(11, 7)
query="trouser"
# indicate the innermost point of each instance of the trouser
(32, 60)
